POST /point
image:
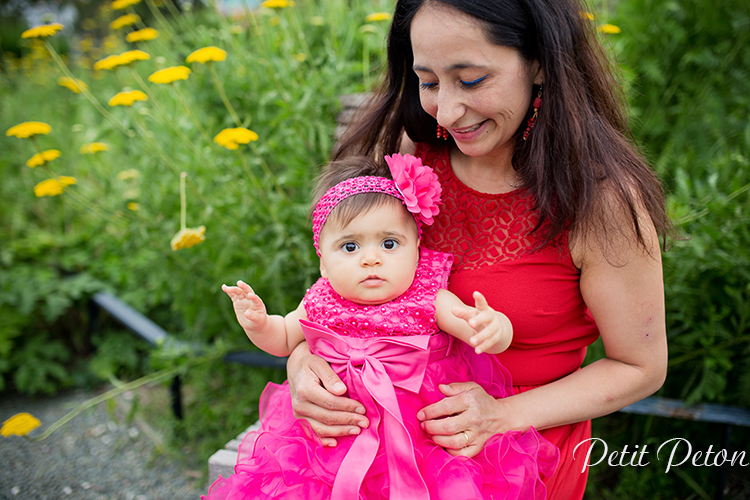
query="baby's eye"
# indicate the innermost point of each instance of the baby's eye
(389, 244)
(349, 247)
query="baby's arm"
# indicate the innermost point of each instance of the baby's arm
(480, 326)
(277, 335)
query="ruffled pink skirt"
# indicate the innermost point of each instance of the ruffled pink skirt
(286, 460)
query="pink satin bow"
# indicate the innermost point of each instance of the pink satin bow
(374, 367)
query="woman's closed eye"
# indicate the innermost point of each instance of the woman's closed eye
(473, 83)
(427, 85)
(389, 244)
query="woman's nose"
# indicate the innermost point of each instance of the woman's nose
(449, 107)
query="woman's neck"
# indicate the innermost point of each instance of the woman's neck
(491, 174)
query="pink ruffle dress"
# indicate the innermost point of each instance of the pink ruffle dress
(392, 357)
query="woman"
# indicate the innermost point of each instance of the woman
(549, 211)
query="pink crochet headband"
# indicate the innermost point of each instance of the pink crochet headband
(416, 185)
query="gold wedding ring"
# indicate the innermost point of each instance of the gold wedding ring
(467, 438)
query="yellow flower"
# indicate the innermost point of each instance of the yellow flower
(300, 57)
(74, 84)
(143, 35)
(123, 4)
(94, 147)
(169, 75)
(133, 206)
(126, 20)
(188, 237)
(133, 56)
(207, 54)
(378, 16)
(126, 175)
(610, 29)
(43, 31)
(587, 15)
(127, 98)
(28, 129)
(53, 187)
(112, 62)
(231, 138)
(277, 4)
(19, 424)
(109, 62)
(274, 21)
(43, 157)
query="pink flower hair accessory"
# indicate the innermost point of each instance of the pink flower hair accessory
(417, 188)
(418, 184)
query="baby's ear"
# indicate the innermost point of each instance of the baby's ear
(323, 272)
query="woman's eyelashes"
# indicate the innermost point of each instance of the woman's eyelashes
(474, 83)
(465, 84)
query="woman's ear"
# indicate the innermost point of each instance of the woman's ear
(538, 72)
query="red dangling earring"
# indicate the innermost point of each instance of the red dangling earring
(441, 132)
(537, 104)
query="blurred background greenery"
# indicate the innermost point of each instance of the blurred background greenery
(685, 68)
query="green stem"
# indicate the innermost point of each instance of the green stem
(183, 202)
(190, 113)
(162, 21)
(701, 213)
(223, 95)
(85, 91)
(154, 377)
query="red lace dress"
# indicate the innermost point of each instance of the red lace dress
(488, 235)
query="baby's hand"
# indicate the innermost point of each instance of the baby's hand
(491, 326)
(250, 310)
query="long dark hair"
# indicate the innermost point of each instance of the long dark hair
(578, 160)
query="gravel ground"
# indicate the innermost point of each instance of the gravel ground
(92, 457)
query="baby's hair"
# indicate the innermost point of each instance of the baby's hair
(347, 168)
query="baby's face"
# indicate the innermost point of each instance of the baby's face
(372, 259)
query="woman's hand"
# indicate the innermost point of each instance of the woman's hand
(463, 421)
(317, 396)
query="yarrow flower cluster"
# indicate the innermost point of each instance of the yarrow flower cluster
(126, 20)
(378, 16)
(53, 187)
(42, 158)
(20, 424)
(277, 4)
(127, 98)
(418, 184)
(27, 130)
(231, 138)
(123, 4)
(73, 84)
(169, 75)
(94, 147)
(207, 54)
(610, 29)
(43, 31)
(188, 237)
(114, 61)
(143, 35)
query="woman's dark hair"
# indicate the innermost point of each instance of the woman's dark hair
(578, 160)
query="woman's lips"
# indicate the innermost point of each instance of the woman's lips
(468, 133)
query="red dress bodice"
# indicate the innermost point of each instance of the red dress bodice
(495, 252)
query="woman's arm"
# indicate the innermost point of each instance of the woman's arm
(317, 396)
(624, 290)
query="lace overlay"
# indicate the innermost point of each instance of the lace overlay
(412, 313)
(463, 227)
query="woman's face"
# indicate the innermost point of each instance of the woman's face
(477, 90)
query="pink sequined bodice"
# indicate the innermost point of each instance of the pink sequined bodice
(412, 313)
